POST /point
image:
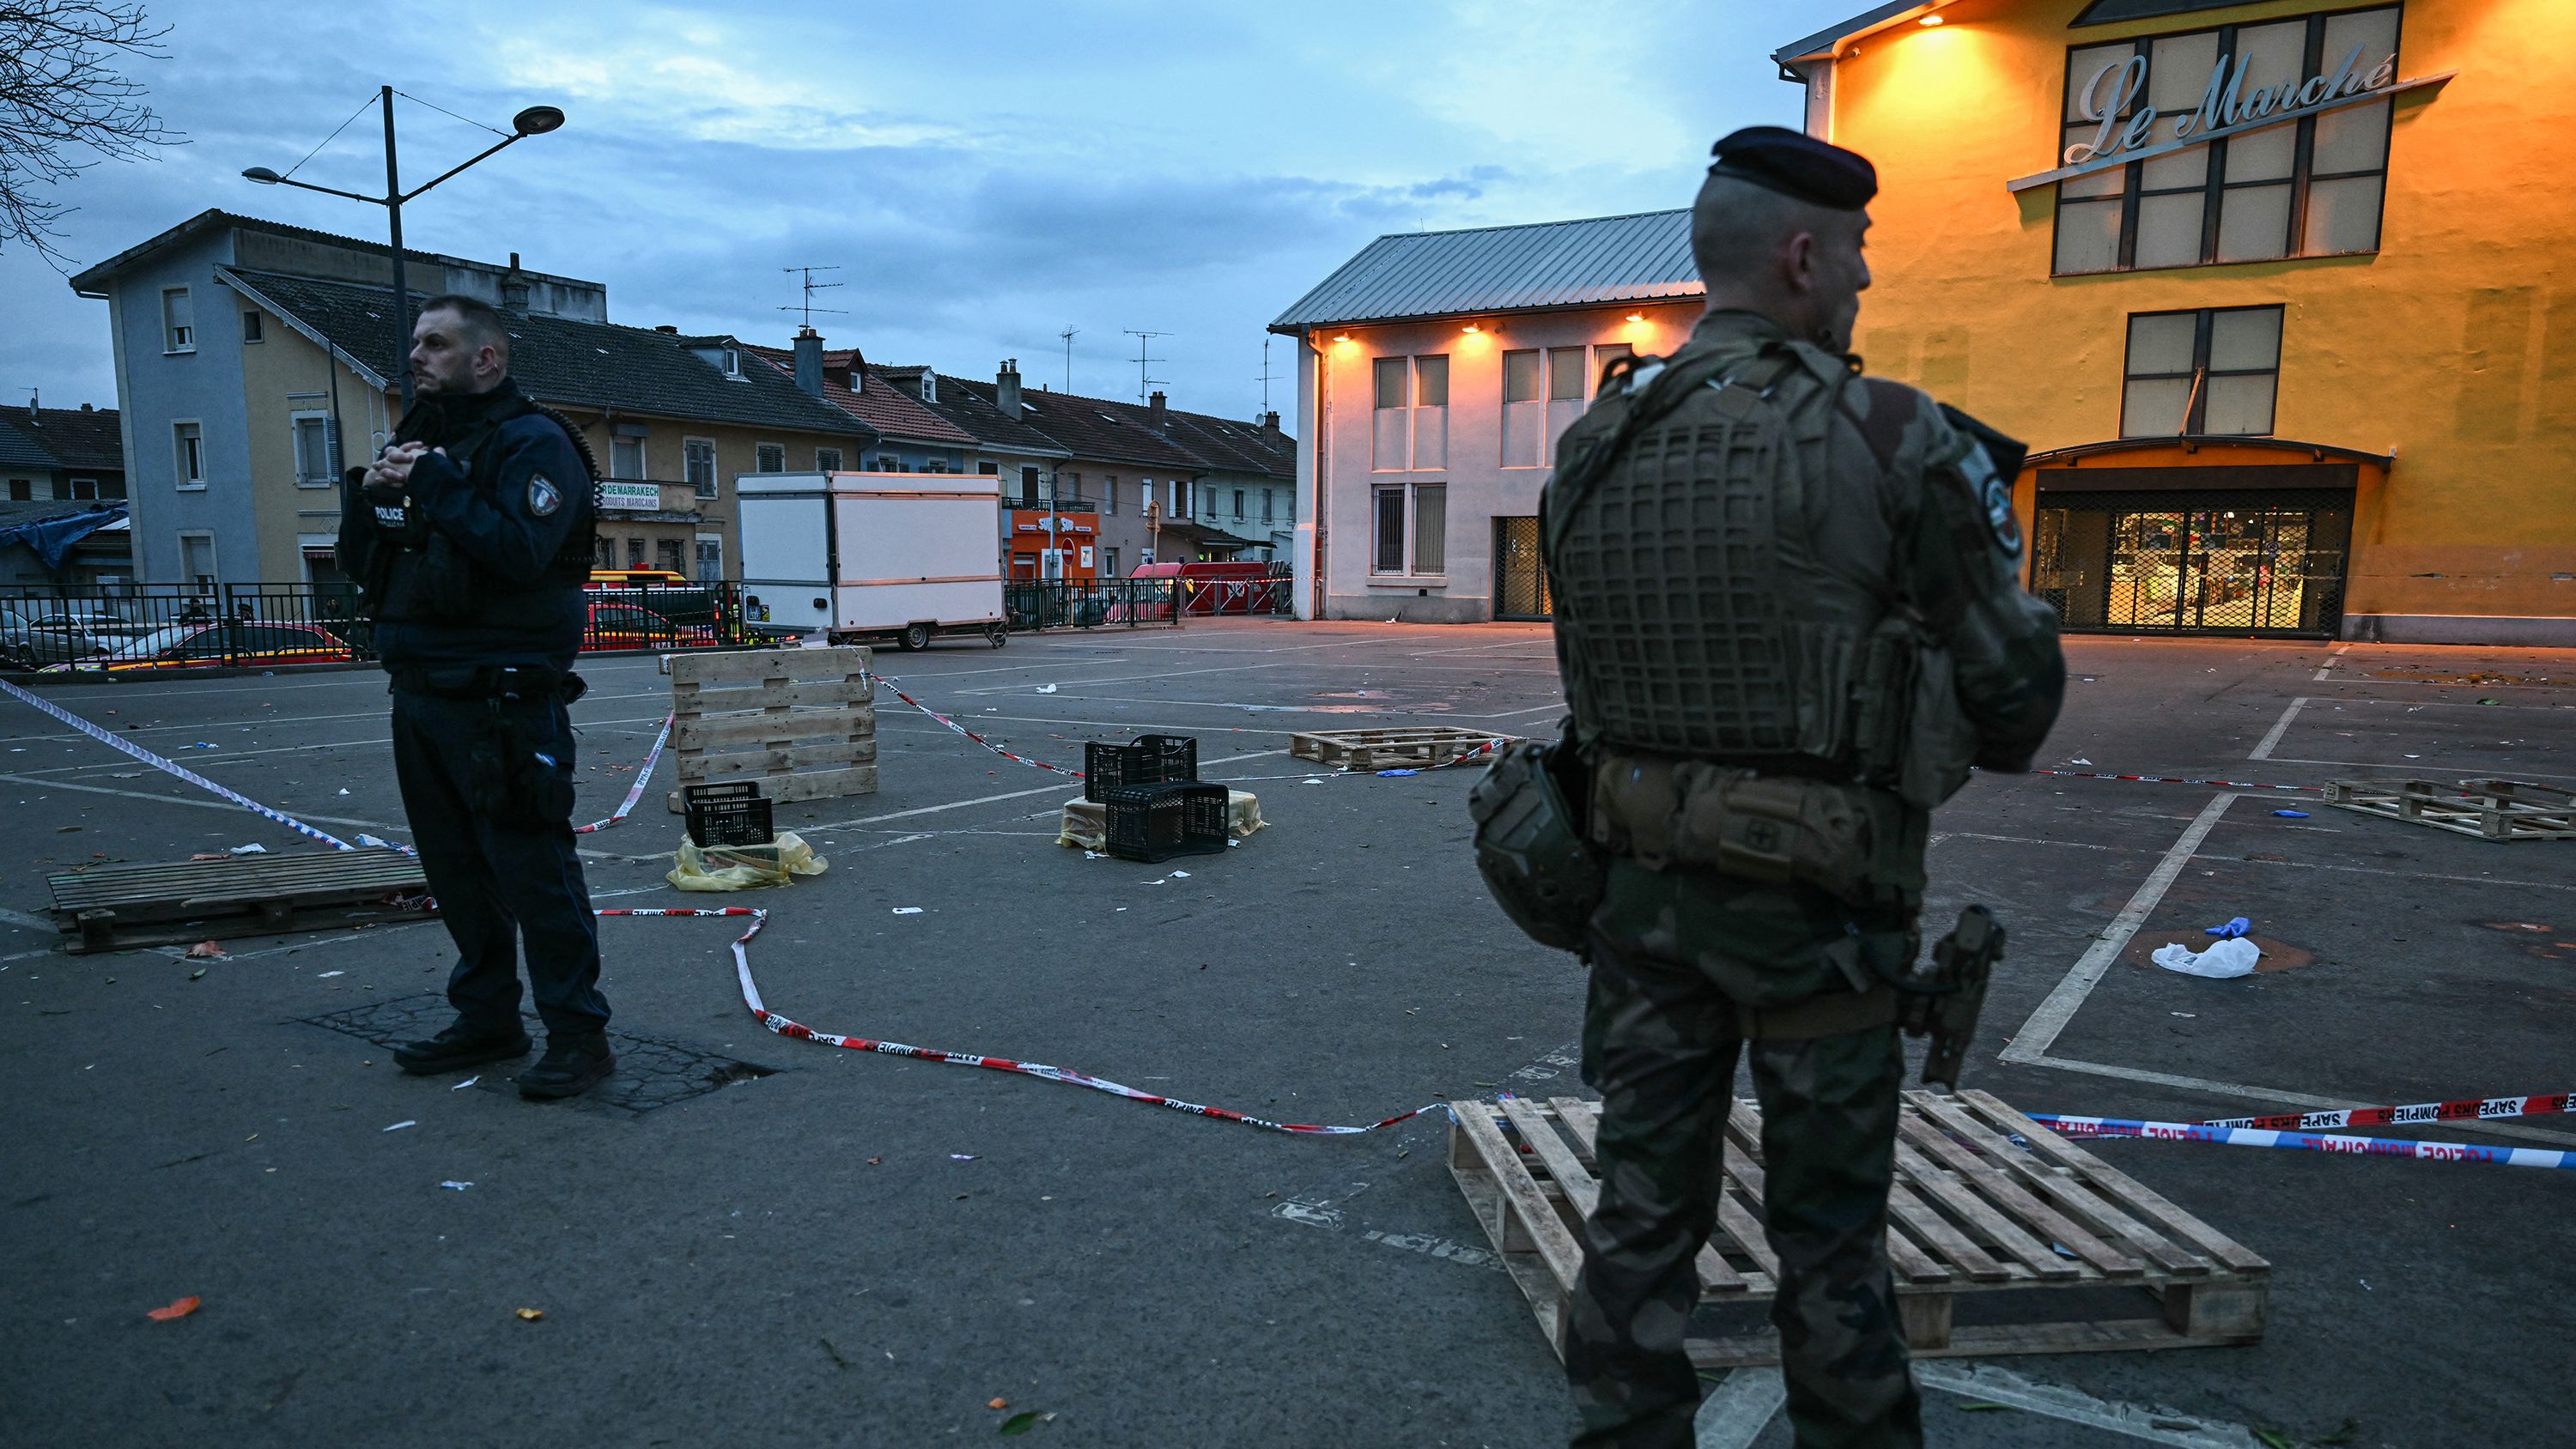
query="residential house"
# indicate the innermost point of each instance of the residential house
(910, 437)
(1050, 528)
(1435, 373)
(246, 351)
(63, 470)
(1249, 491)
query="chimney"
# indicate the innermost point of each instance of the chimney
(514, 288)
(668, 329)
(1006, 388)
(1156, 407)
(1270, 426)
(809, 361)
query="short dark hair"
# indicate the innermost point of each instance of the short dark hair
(484, 325)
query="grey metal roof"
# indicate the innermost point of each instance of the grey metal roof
(1594, 260)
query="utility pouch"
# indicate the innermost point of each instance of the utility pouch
(509, 780)
(1529, 832)
(1884, 708)
(1776, 828)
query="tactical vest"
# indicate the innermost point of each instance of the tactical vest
(424, 577)
(1694, 618)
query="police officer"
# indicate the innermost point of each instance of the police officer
(1789, 620)
(471, 536)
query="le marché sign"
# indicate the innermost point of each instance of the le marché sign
(2227, 107)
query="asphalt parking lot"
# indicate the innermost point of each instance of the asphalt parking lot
(855, 1248)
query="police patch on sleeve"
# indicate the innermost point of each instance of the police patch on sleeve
(543, 496)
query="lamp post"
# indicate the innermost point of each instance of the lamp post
(534, 121)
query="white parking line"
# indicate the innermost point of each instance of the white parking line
(2031, 1043)
(1033, 685)
(2332, 655)
(2280, 727)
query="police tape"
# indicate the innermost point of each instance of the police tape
(2091, 1128)
(109, 738)
(2170, 780)
(634, 792)
(970, 734)
(798, 1031)
(2462, 1109)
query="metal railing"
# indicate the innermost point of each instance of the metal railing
(175, 627)
(1038, 604)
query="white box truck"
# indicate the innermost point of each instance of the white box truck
(872, 556)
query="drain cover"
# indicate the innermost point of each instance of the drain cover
(652, 1072)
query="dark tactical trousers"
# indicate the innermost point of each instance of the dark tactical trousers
(1660, 1044)
(497, 885)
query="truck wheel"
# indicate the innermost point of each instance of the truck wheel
(999, 634)
(914, 637)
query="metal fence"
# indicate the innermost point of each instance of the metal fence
(169, 627)
(1035, 604)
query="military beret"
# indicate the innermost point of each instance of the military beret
(1776, 158)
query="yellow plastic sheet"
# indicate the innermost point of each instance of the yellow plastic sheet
(743, 867)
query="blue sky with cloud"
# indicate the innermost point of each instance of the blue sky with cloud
(984, 176)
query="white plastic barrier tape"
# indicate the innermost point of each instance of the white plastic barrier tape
(109, 738)
(2097, 1127)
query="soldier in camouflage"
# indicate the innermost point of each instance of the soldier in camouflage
(1789, 620)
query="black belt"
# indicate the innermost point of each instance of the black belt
(488, 681)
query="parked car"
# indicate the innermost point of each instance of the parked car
(616, 625)
(673, 596)
(27, 643)
(219, 643)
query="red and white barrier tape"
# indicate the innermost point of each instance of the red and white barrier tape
(970, 734)
(2098, 1127)
(2464, 1109)
(634, 792)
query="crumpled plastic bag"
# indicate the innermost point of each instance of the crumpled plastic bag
(2227, 960)
(743, 867)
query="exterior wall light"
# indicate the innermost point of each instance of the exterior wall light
(1932, 19)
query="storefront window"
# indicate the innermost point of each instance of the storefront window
(2214, 371)
(2310, 186)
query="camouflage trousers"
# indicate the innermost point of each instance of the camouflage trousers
(1660, 1043)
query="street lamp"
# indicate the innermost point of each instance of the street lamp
(534, 121)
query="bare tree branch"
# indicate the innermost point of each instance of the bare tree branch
(64, 107)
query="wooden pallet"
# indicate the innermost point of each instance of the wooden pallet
(1390, 749)
(1970, 1214)
(2487, 809)
(118, 907)
(801, 723)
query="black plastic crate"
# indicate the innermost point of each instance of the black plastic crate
(1149, 760)
(734, 814)
(1158, 822)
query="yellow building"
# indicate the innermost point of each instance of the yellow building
(2282, 295)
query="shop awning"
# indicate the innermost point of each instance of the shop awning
(2196, 442)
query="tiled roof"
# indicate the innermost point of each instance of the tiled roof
(66, 438)
(88, 281)
(1591, 261)
(979, 412)
(881, 406)
(561, 360)
(1235, 447)
(1093, 429)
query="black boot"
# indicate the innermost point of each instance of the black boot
(461, 1046)
(571, 1066)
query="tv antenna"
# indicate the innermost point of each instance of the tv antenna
(811, 286)
(1067, 335)
(1144, 384)
(1266, 374)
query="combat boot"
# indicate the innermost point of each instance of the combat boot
(461, 1045)
(571, 1066)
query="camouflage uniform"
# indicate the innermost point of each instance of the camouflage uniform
(1689, 964)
